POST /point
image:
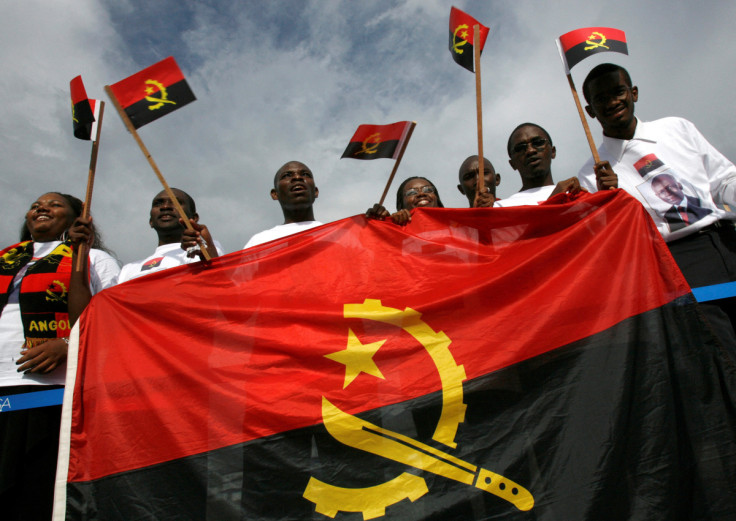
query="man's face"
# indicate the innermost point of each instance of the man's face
(668, 189)
(612, 104)
(531, 153)
(468, 177)
(163, 212)
(294, 186)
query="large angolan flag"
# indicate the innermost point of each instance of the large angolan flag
(526, 363)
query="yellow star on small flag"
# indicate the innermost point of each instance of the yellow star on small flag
(357, 358)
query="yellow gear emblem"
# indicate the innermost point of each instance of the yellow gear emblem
(354, 432)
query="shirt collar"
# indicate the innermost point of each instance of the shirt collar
(616, 147)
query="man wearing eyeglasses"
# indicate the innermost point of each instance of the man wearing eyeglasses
(638, 156)
(531, 153)
(468, 186)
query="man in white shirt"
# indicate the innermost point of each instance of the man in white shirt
(668, 157)
(165, 221)
(531, 153)
(293, 188)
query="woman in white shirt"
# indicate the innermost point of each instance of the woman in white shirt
(39, 290)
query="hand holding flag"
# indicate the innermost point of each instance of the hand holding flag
(577, 45)
(374, 141)
(146, 96)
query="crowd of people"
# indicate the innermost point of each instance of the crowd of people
(47, 279)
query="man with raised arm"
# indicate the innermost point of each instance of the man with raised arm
(165, 221)
(531, 153)
(661, 162)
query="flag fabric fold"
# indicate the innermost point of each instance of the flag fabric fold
(577, 45)
(85, 111)
(462, 37)
(153, 92)
(526, 363)
(378, 141)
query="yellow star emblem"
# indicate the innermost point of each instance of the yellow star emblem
(464, 35)
(357, 358)
(150, 90)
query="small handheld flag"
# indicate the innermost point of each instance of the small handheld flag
(153, 92)
(85, 111)
(577, 45)
(378, 141)
(462, 39)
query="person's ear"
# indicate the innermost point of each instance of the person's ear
(635, 93)
(316, 192)
(460, 189)
(554, 153)
(498, 181)
(274, 194)
(195, 217)
(590, 112)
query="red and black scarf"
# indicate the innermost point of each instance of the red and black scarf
(43, 291)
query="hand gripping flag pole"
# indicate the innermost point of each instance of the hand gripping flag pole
(91, 180)
(145, 97)
(405, 142)
(87, 120)
(577, 45)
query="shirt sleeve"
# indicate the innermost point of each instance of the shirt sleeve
(103, 272)
(720, 171)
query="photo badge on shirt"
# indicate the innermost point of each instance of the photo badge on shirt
(671, 197)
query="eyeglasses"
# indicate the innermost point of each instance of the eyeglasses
(538, 143)
(423, 189)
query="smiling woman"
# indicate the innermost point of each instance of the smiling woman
(414, 192)
(40, 297)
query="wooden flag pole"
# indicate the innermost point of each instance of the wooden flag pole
(586, 127)
(132, 130)
(90, 184)
(481, 185)
(398, 160)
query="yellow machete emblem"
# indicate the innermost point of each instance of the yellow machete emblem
(360, 434)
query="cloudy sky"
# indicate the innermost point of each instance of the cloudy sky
(281, 80)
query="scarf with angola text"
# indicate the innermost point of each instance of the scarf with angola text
(43, 290)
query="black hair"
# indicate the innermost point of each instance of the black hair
(190, 201)
(508, 144)
(400, 192)
(76, 206)
(601, 70)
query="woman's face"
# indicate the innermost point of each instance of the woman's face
(49, 217)
(419, 193)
